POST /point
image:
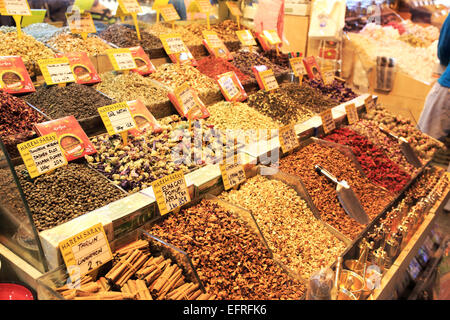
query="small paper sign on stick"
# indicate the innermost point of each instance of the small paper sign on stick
(370, 104)
(172, 43)
(297, 66)
(233, 174)
(229, 89)
(56, 70)
(327, 121)
(81, 23)
(235, 11)
(87, 250)
(131, 7)
(16, 9)
(42, 154)
(352, 113)
(288, 138)
(171, 192)
(246, 38)
(121, 59)
(169, 13)
(117, 118)
(268, 79)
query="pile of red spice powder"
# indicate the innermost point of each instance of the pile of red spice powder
(212, 67)
(376, 165)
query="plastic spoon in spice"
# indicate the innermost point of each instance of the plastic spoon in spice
(347, 197)
(407, 150)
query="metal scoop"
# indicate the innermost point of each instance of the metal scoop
(407, 150)
(347, 198)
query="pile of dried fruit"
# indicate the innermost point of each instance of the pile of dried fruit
(295, 236)
(323, 192)
(229, 257)
(27, 47)
(376, 165)
(424, 145)
(68, 42)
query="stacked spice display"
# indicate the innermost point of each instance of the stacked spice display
(16, 121)
(126, 37)
(424, 145)
(376, 165)
(173, 76)
(370, 129)
(295, 236)
(230, 259)
(212, 67)
(152, 156)
(336, 90)
(139, 274)
(75, 99)
(27, 47)
(244, 61)
(69, 42)
(323, 192)
(133, 86)
(66, 193)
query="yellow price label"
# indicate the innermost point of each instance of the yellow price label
(15, 8)
(56, 70)
(121, 59)
(169, 13)
(268, 79)
(129, 6)
(227, 84)
(246, 38)
(352, 113)
(213, 39)
(297, 66)
(327, 121)
(171, 192)
(117, 118)
(288, 138)
(185, 98)
(204, 6)
(234, 9)
(233, 174)
(173, 43)
(86, 251)
(42, 154)
(272, 36)
(370, 104)
(80, 22)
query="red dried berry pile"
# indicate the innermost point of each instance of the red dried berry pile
(376, 165)
(212, 67)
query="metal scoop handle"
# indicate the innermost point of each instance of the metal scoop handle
(327, 174)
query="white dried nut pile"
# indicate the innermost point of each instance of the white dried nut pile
(292, 232)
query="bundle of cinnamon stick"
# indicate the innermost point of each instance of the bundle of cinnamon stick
(140, 276)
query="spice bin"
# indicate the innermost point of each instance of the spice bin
(49, 283)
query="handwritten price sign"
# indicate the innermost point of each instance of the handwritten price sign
(56, 70)
(171, 192)
(117, 118)
(233, 174)
(121, 59)
(288, 139)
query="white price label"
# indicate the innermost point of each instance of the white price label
(171, 192)
(227, 84)
(60, 72)
(125, 60)
(232, 174)
(175, 45)
(117, 118)
(15, 8)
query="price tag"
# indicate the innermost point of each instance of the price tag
(82, 67)
(80, 22)
(15, 8)
(328, 77)
(42, 154)
(246, 38)
(173, 43)
(87, 250)
(327, 121)
(233, 174)
(171, 192)
(56, 70)
(117, 118)
(121, 59)
(297, 66)
(129, 6)
(213, 39)
(352, 113)
(234, 9)
(14, 77)
(288, 138)
(268, 79)
(185, 97)
(370, 104)
(272, 37)
(226, 83)
(169, 13)
(204, 6)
